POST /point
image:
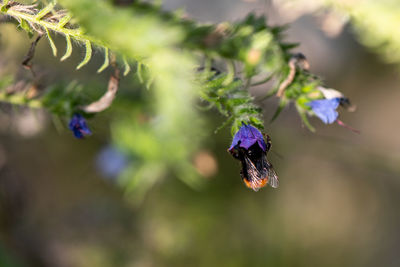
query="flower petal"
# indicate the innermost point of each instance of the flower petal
(78, 126)
(330, 93)
(248, 136)
(77, 133)
(325, 109)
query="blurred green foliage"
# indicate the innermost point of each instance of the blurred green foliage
(375, 22)
(174, 58)
(336, 206)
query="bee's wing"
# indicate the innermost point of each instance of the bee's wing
(272, 177)
(266, 171)
(270, 172)
(256, 177)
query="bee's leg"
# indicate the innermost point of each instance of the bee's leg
(267, 141)
(234, 153)
(243, 171)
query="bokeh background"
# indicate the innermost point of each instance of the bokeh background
(337, 204)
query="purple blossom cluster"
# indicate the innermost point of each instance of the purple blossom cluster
(78, 126)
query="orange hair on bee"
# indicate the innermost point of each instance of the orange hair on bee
(256, 184)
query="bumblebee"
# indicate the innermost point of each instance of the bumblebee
(250, 148)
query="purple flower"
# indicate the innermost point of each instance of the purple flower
(248, 136)
(325, 109)
(78, 126)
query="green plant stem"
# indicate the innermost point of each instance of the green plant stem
(77, 34)
(20, 99)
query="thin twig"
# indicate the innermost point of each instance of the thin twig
(106, 100)
(31, 53)
(297, 59)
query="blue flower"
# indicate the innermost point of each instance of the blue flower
(325, 109)
(78, 126)
(111, 162)
(248, 136)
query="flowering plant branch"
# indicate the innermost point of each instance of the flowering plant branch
(167, 50)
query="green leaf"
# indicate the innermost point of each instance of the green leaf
(257, 122)
(127, 68)
(44, 11)
(150, 82)
(139, 72)
(303, 116)
(282, 105)
(26, 27)
(3, 7)
(68, 50)
(106, 61)
(51, 42)
(231, 73)
(63, 21)
(224, 124)
(88, 55)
